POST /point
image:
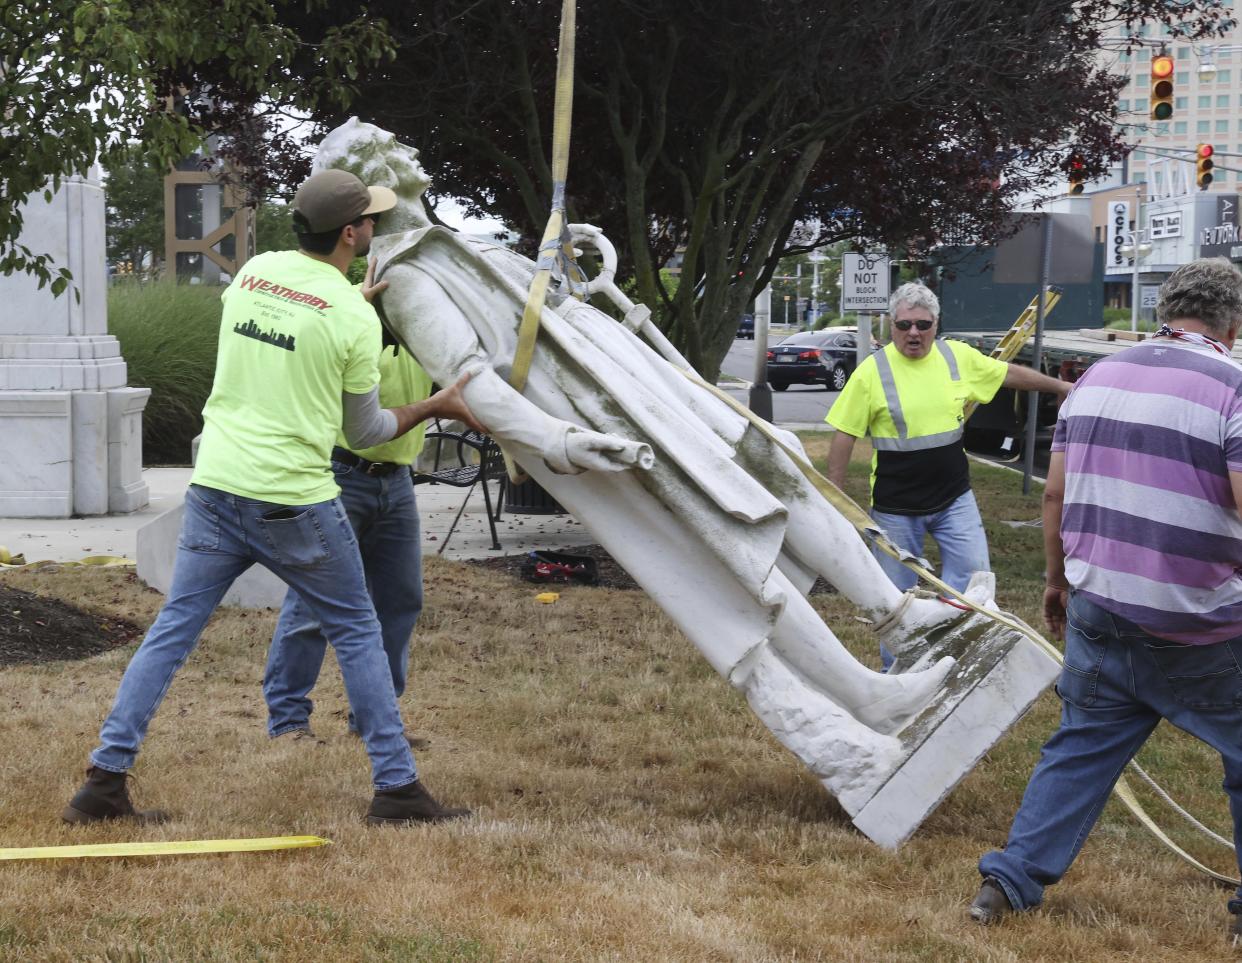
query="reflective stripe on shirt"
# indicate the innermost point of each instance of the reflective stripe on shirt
(902, 442)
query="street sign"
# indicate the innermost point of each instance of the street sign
(865, 284)
(1149, 296)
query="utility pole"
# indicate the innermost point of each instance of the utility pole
(1137, 244)
(760, 394)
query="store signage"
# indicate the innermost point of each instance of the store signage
(1222, 238)
(1118, 231)
(1168, 224)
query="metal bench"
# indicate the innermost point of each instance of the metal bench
(473, 459)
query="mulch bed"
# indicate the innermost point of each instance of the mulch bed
(34, 628)
(611, 575)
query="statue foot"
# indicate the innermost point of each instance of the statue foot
(907, 627)
(908, 694)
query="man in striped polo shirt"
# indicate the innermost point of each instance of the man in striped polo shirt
(1144, 553)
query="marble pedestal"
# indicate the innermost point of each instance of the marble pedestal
(999, 675)
(70, 428)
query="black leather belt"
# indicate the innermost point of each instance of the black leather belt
(347, 457)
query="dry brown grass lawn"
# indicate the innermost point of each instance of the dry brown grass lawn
(629, 807)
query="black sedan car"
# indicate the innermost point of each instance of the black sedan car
(813, 357)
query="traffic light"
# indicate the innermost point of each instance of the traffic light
(1077, 175)
(1161, 87)
(1204, 165)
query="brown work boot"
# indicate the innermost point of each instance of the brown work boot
(991, 904)
(104, 795)
(408, 804)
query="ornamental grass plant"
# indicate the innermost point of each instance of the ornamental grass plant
(629, 805)
(168, 334)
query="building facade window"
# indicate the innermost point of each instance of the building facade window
(1179, 126)
(1224, 77)
(1203, 126)
(1140, 105)
(1181, 103)
(1205, 102)
(1182, 78)
(1222, 127)
(1222, 101)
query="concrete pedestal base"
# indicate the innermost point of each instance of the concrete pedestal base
(71, 452)
(157, 551)
(999, 674)
(70, 431)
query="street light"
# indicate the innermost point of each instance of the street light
(1207, 64)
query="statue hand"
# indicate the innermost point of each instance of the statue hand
(587, 450)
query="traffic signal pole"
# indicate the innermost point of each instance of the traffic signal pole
(1032, 411)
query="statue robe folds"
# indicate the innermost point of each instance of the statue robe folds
(702, 530)
(701, 508)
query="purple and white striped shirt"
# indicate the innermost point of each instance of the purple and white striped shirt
(1150, 528)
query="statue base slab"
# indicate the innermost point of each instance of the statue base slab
(255, 588)
(999, 675)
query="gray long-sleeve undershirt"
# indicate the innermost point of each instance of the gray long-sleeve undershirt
(364, 422)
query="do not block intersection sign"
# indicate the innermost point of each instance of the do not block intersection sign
(865, 282)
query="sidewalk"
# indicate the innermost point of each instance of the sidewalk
(67, 539)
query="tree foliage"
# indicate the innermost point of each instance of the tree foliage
(740, 131)
(82, 79)
(735, 131)
(135, 208)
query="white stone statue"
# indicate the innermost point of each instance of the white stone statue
(712, 519)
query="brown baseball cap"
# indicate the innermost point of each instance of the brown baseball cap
(332, 199)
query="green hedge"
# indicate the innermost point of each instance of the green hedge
(168, 334)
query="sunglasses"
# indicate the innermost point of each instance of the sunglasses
(922, 325)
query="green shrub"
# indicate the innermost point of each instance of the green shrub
(168, 334)
(1123, 324)
(1116, 314)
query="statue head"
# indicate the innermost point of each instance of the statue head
(376, 157)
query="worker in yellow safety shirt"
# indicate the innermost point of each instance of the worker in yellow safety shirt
(910, 398)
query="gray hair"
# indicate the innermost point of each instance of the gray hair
(915, 295)
(1208, 290)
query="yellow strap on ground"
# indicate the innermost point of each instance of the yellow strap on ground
(9, 560)
(191, 847)
(866, 526)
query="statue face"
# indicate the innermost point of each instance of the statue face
(403, 161)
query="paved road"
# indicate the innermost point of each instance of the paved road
(800, 405)
(804, 405)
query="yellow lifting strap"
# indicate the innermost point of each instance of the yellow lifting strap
(1011, 342)
(16, 560)
(866, 527)
(188, 847)
(556, 247)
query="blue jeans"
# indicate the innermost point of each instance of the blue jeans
(313, 549)
(1118, 682)
(384, 516)
(957, 531)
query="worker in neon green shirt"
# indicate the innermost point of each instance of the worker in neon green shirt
(297, 365)
(910, 397)
(377, 491)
